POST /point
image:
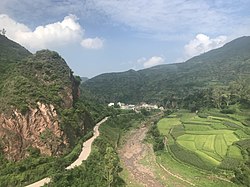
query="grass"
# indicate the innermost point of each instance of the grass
(187, 137)
(165, 124)
(200, 141)
(128, 178)
(193, 127)
(192, 174)
(220, 145)
(208, 157)
(188, 144)
(218, 126)
(234, 152)
(230, 138)
(227, 120)
(241, 134)
(214, 155)
(163, 177)
(210, 132)
(209, 144)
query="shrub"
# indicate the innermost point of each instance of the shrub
(242, 174)
(230, 124)
(158, 139)
(158, 143)
(202, 115)
(229, 163)
(177, 131)
(228, 111)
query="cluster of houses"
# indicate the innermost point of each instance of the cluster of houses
(135, 107)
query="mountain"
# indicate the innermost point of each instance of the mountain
(123, 86)
(11, 51)
(200, 77)
(39, 98)
(83, 79)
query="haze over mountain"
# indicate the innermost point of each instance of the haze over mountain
(218, 68)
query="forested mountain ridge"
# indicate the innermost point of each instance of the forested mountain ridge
(40, 109)
(11, 51)
(224, 70)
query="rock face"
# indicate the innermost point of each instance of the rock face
(38, 128)
(37, 96)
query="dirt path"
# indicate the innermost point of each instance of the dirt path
(86, 149)
(176, 176)
(40, 183)
(131, 154)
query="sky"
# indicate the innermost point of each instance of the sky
(99, 36)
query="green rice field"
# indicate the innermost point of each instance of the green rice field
(205, 142)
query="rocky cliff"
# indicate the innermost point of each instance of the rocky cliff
(38, 128)
(38, 95)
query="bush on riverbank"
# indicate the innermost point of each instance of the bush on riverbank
(158, 139)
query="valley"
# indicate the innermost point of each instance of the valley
(140, 165)
(186, 124)
(133, 152)
(182, 166)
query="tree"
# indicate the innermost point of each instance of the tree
(216, 97)
(3, 31)
(111, 165)
(242, 174)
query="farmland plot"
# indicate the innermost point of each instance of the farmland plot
(211, 138)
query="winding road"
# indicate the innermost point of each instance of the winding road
(86, 149)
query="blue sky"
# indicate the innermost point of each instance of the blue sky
(97, 36)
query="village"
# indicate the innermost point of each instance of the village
(137, 107)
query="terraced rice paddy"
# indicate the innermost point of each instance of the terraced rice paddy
(211, 138)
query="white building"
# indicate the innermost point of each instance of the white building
(111, 104)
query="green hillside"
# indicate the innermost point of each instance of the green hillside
(44, 77)
(222, 70)
(10, 53)
(26, 81)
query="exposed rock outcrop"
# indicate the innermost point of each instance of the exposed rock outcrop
(37, 96)
(38, 128)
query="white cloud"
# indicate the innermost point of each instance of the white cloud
(153, 61)
(50, 36)
(92, 43)
(179, 19)
(202, 43)
(161, 19)
(12, 26)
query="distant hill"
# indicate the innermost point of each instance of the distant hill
(84, 79)
(200, 76)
